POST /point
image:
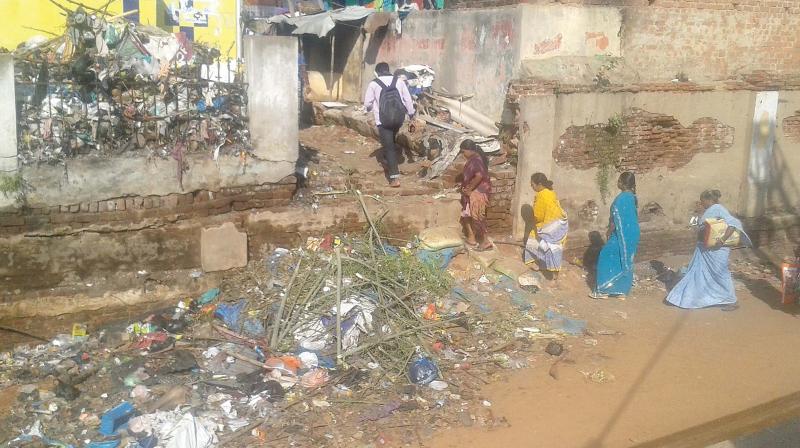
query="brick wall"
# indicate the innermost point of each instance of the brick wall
(644, 140)
(712, 39)
(791, 127)
(499, 211)
(136, 209)
(503, 178)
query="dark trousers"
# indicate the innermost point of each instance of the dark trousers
(388, 154)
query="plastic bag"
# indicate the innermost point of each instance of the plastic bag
(422, 371)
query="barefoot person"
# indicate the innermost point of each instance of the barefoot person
(545, 246)
(390, 101)
(708, 281)
(475, 190)
(615, 264)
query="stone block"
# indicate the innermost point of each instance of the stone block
(223, 248)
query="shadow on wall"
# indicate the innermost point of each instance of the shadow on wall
(590, 257)
(526, 211)
(374, 46)
(772, 197)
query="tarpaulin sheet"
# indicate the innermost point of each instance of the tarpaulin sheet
(321, 24)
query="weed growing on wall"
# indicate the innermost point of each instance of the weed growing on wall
(607, 151)
(609, 64)
(13, 185)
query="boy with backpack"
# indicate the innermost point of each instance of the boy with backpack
(389, 99)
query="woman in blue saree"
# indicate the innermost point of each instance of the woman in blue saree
(615, 263)
(708, 280)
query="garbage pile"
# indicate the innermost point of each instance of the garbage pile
(315, 346)
(109, 86)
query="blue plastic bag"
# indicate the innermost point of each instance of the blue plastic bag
(438, 258)
(231, 314)
(422, 371)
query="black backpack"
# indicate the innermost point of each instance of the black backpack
(391, 109)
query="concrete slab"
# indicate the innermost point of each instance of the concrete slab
(223, 248)
(511, 267)
(486, 258)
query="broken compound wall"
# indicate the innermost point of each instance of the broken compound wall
(678, 144)
(98, 242)
(480, 52)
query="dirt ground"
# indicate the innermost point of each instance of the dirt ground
(642, 371)
(669, 369)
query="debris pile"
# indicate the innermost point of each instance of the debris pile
(109, 86)
(442, 122)
(312, 347)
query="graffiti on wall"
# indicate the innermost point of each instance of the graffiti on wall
(597, 39)
(548, 45)
(184, 13)
(212, 22)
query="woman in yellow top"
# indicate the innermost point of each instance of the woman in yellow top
(545, 246)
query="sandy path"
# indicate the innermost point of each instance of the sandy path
(673, 369)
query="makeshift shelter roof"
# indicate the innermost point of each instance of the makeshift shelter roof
(321, 24)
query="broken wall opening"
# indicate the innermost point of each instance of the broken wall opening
(342, 48)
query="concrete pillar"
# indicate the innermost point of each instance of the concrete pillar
(537, 137)
(272, 77)
(8, 123)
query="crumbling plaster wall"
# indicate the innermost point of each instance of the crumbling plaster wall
(546, 119)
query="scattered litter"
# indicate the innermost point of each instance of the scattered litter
(438, 385)
(565, 324)
(337, 321)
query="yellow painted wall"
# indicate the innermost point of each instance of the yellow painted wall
(19, 17)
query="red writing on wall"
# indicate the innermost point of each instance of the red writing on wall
(502, 33)
(599, 39)
(548, 45)
(429, 44)
(468, 40)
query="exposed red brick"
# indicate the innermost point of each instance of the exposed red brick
(644, 141)
(791, 127)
